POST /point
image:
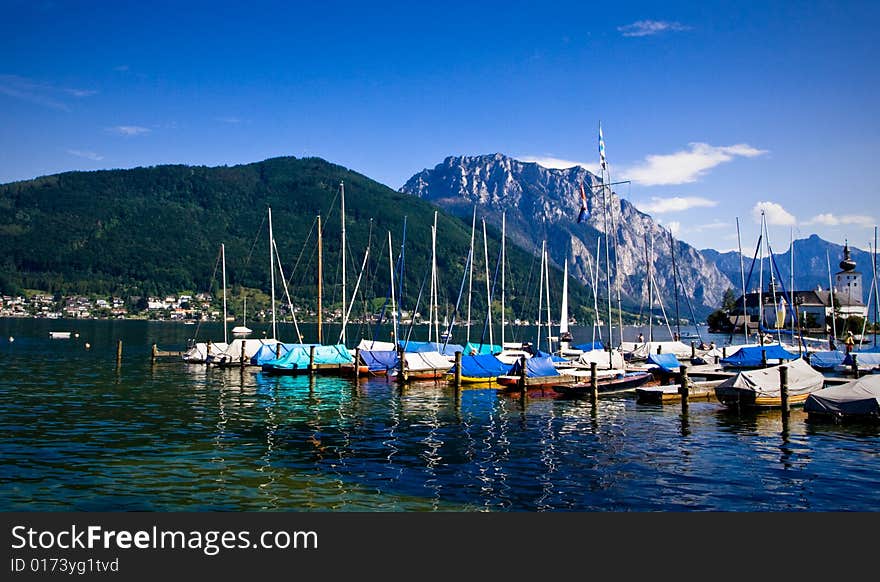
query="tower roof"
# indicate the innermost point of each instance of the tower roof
(847, 264)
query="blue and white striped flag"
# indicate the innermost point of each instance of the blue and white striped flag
(601, 148)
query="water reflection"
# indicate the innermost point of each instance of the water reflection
(76, 433)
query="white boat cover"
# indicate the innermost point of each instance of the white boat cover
(602, 360)
(250, 347)
(197, 353)
(856, 398)
(377, 346)
(426, 361)
(764, 382)
(512, 356)
(640, 351)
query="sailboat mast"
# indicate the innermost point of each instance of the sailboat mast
(831, 298)
(436, 282)
(540, 296)
(607, 254)
(320, 281)
(547, 287)
(223, 256)
(675, 285)
(488, 291)
(651, 291)
(563, 315)
(792, 305)
(471, 274)
(391, 275)
(272, 273)
(342, 204)
(761, 286)
(503, 261)
(742, 274)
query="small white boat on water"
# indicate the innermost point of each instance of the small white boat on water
(59, 334)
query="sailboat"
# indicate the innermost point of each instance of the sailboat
(242, 330)
(204, 352)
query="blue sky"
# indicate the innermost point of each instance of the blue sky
(711, 109)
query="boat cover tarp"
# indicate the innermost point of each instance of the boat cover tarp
(536, 367)
(376, 360)
(483, 366)
(600, 356)
(764, 382)
(426, 361)
(249, 346)
(826, 360)
(553, 357)
(751, 356)
(590, 346)
(296, 359)
(866, 360)
(267, 352)
(641, 351)
(199, 351)
(666, 362)
(335, 354)
(474, 349)
(376, 345)
(420, 347)
(858, 398)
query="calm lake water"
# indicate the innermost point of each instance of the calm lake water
(76, 433)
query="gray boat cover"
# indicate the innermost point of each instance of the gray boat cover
(602, 359)
(426, 361)
(764, 382)
(640, 351)
(857, 398)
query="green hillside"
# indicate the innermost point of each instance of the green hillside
(157, 230)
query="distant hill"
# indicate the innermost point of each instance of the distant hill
(812, 256)
(157, 230)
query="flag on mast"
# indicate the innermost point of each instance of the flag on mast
(584, 212)
(601, 148)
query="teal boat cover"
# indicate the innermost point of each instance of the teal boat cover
(267, 353)
(666, 362)
(482, 366)
(474, 349)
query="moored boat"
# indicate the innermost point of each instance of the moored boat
(857, 400)
(624, 382)
(761, 388)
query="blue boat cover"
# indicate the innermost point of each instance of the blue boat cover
(482, 366)
(299, 355)
(376, 360)
(335, 354)
(826, 360)
(420, 347)
(553, 357)
(536, 367)
(667, 362)
(473, 349)
(590, 346)
(865, 359)
(751, 355)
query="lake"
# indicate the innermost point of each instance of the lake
(79, 434)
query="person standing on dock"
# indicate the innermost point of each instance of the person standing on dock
(849, 341)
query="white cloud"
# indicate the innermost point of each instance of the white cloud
(650, 28)
(686, 166)
(674, 204)
(774, 213)
(86, 154)
(129, 130)
(558, 163)
(81, 92)
(828, 219)
(31, 91)
(714, 225)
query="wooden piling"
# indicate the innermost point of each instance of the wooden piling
(763, 358)
(659, 349)
(154, 353)
(693, 349)
(357, 363)
(522, 374)
(855, 366)
(278, 351)
(118, 352)
(243, 358)
(458, 369)
(594, 381)
(724, 353)
(783, 389)
(683, 388)
(402, 376)
(311, 359)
